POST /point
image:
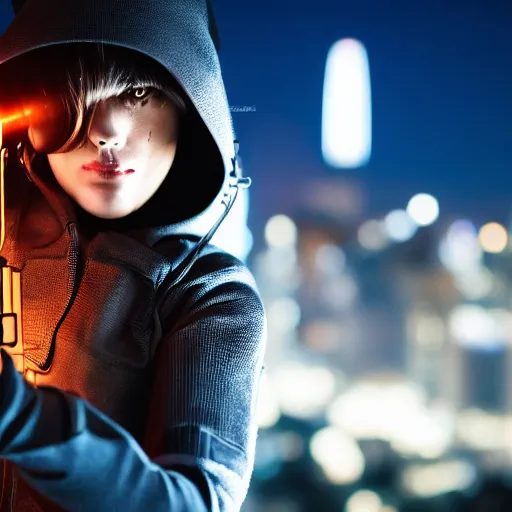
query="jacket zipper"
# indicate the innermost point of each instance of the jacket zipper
(75, 269)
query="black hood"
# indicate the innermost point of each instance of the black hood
(182, 36)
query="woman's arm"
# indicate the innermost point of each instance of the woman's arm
(204, 404)
(202, 414)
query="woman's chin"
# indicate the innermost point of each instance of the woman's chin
(106, 212)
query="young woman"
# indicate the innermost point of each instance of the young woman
(143, 343)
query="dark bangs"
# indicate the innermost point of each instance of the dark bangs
(83, 74)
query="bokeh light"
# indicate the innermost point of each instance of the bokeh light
(459, 250)
(339, 292)
(395, 413)
(330, 260)
(399, 226)
(483, 431)
(372, 235)
(338, 454)
(429, 480)
(303, 391)
(475, 285)
(280, 232)
(477, 327)
(346, 109)
(268, 412)
(427, 330)
(283, 314)
(493, 237)
(364, 501)
(423, 209)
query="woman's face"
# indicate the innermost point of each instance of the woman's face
(139, 135)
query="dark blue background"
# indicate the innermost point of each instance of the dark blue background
(441, 87)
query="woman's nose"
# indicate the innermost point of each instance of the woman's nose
(110, 127)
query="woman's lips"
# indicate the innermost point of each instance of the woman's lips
(98, 166)
(107, 171)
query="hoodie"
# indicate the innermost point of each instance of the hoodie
(143, 342)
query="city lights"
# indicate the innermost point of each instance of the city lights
(303, 391)
(323, 335)
(423, 209)
(399, 226)
(428, 331)
(268, 412)
(338, 454)
(460, 251)
(395, 413)
(283, 314)
(321, 311)
(280, 232)
(476, 327)
(483, 431)
(372, 235)
(475, 285)
(346, 108)
(493, 237)
(372, 410)
(330, 259)
(364, 501)
(278, 273)
(425, 433)
(438, 478)
(339, 292)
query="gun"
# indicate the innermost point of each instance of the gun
(10, 278)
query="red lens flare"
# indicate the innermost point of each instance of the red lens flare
(20, 118)
(13, 120)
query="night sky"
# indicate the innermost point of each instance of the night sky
(441, 86)
(441, 90)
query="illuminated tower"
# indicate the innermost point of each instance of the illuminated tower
(346, 109)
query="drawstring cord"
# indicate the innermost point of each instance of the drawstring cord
(236, 182)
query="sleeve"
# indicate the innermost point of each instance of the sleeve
(208, 380)
(202, 420)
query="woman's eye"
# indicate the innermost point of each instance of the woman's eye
(139, 93)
